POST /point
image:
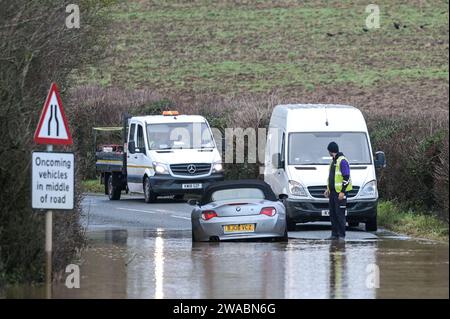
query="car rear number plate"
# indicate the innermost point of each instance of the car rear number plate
(192, 186)
(240, 228)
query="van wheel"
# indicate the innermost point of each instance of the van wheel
(371, 224)
(353, 224)
(149, 196)
(113, 191)
(290, 224)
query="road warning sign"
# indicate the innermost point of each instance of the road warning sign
(52, 180)
(53, 127)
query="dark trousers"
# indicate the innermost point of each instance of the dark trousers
(337, 215)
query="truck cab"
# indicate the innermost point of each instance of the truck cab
(297, 161)
(167, 154)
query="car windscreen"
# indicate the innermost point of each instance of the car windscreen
(311, 148)
(237, 193)
(163, 136)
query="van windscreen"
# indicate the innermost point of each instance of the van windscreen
(165, 136)
(311, 148)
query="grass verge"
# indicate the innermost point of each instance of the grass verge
(92, 186)
(416, 224)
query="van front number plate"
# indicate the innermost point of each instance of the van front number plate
(326, 212)
(192, 186)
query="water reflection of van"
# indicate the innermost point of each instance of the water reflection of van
(297, 161)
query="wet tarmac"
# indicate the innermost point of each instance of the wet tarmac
(162, 262)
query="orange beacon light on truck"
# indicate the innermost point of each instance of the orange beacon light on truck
(170, 113)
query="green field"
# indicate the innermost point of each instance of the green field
(230, 47)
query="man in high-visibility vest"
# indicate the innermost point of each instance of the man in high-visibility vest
(339, 183)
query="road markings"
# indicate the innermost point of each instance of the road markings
(162, 210)
(150, 212)
(180, 217)
(136, 210)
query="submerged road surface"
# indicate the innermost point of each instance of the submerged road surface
(139, 250)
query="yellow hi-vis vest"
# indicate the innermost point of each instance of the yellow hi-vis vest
(338, 178)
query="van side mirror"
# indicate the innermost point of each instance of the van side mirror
(132, 147)
(380, 160)
(276, 161)
(282, 196)
(193, 202)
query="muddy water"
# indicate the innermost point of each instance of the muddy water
(165, 264)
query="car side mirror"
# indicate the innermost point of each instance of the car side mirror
(282, 196)
(276, 161)
(193, 202)
(380, 160)
(132, 147)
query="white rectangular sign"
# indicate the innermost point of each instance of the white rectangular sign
(52, 183)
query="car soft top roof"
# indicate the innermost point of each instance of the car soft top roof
(235, 184)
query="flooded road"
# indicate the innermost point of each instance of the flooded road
(145, 251)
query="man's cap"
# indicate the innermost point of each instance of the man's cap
(333, 147)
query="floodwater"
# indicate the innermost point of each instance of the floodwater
(124, 263)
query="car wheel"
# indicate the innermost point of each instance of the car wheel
(371, 224)
(149, 196)
(113, 191)
(285, 236)
(194, 238)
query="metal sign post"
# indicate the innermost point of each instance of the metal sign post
(48, 247)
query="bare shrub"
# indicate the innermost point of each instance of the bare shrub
(36, 49)
(413, 145)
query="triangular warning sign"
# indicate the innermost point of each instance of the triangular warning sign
(53, 127)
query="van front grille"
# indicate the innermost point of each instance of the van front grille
(317, 191)
(190, 169)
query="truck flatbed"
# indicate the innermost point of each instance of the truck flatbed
(109, 161)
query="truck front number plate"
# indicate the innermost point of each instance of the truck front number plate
(192, 186)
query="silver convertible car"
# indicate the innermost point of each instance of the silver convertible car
(233, 210)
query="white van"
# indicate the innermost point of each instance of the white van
(297, 161)
(167, 154)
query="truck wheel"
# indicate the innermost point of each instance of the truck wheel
(371, 224)
(113, 191)
(149, 196)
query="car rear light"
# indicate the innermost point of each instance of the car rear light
(208, 214)
(269, 211)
